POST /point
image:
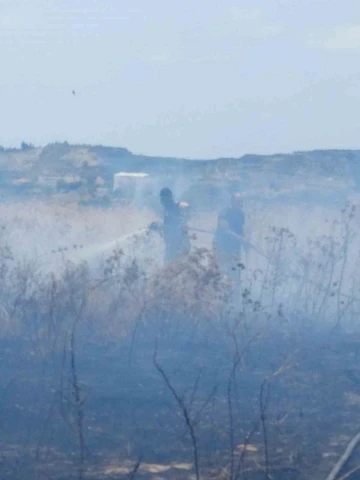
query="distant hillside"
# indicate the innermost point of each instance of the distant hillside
(63, 157)
(97, 163)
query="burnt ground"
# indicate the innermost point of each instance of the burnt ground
(299, 392)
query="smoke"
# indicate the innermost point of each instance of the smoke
(132, 245)
(48, 232)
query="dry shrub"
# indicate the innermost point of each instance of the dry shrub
(290, 285)
(191, 287)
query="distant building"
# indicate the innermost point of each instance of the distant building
(133, 186)
(124, 180)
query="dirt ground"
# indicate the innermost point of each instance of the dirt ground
(309, 417)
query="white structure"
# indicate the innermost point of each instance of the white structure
(133, 185)
(132, 180)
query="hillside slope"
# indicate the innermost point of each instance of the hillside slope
(63, 158)
(89, 164)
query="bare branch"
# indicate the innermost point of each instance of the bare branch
(185, 413)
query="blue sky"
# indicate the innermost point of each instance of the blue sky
(198, 79)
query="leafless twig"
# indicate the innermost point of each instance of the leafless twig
(264, 399)
(185, 412)
(135, 469)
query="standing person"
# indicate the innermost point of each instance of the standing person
(174, 229)
(229, 234)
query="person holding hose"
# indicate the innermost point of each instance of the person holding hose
(174, 228)
(229, 235)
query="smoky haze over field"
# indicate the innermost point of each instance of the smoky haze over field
(49, 233)
(115, 365)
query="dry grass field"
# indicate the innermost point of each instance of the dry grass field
(131, 371)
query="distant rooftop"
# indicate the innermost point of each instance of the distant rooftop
(131, 174)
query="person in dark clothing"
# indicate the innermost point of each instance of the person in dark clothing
(174, 230)
(229, 233)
